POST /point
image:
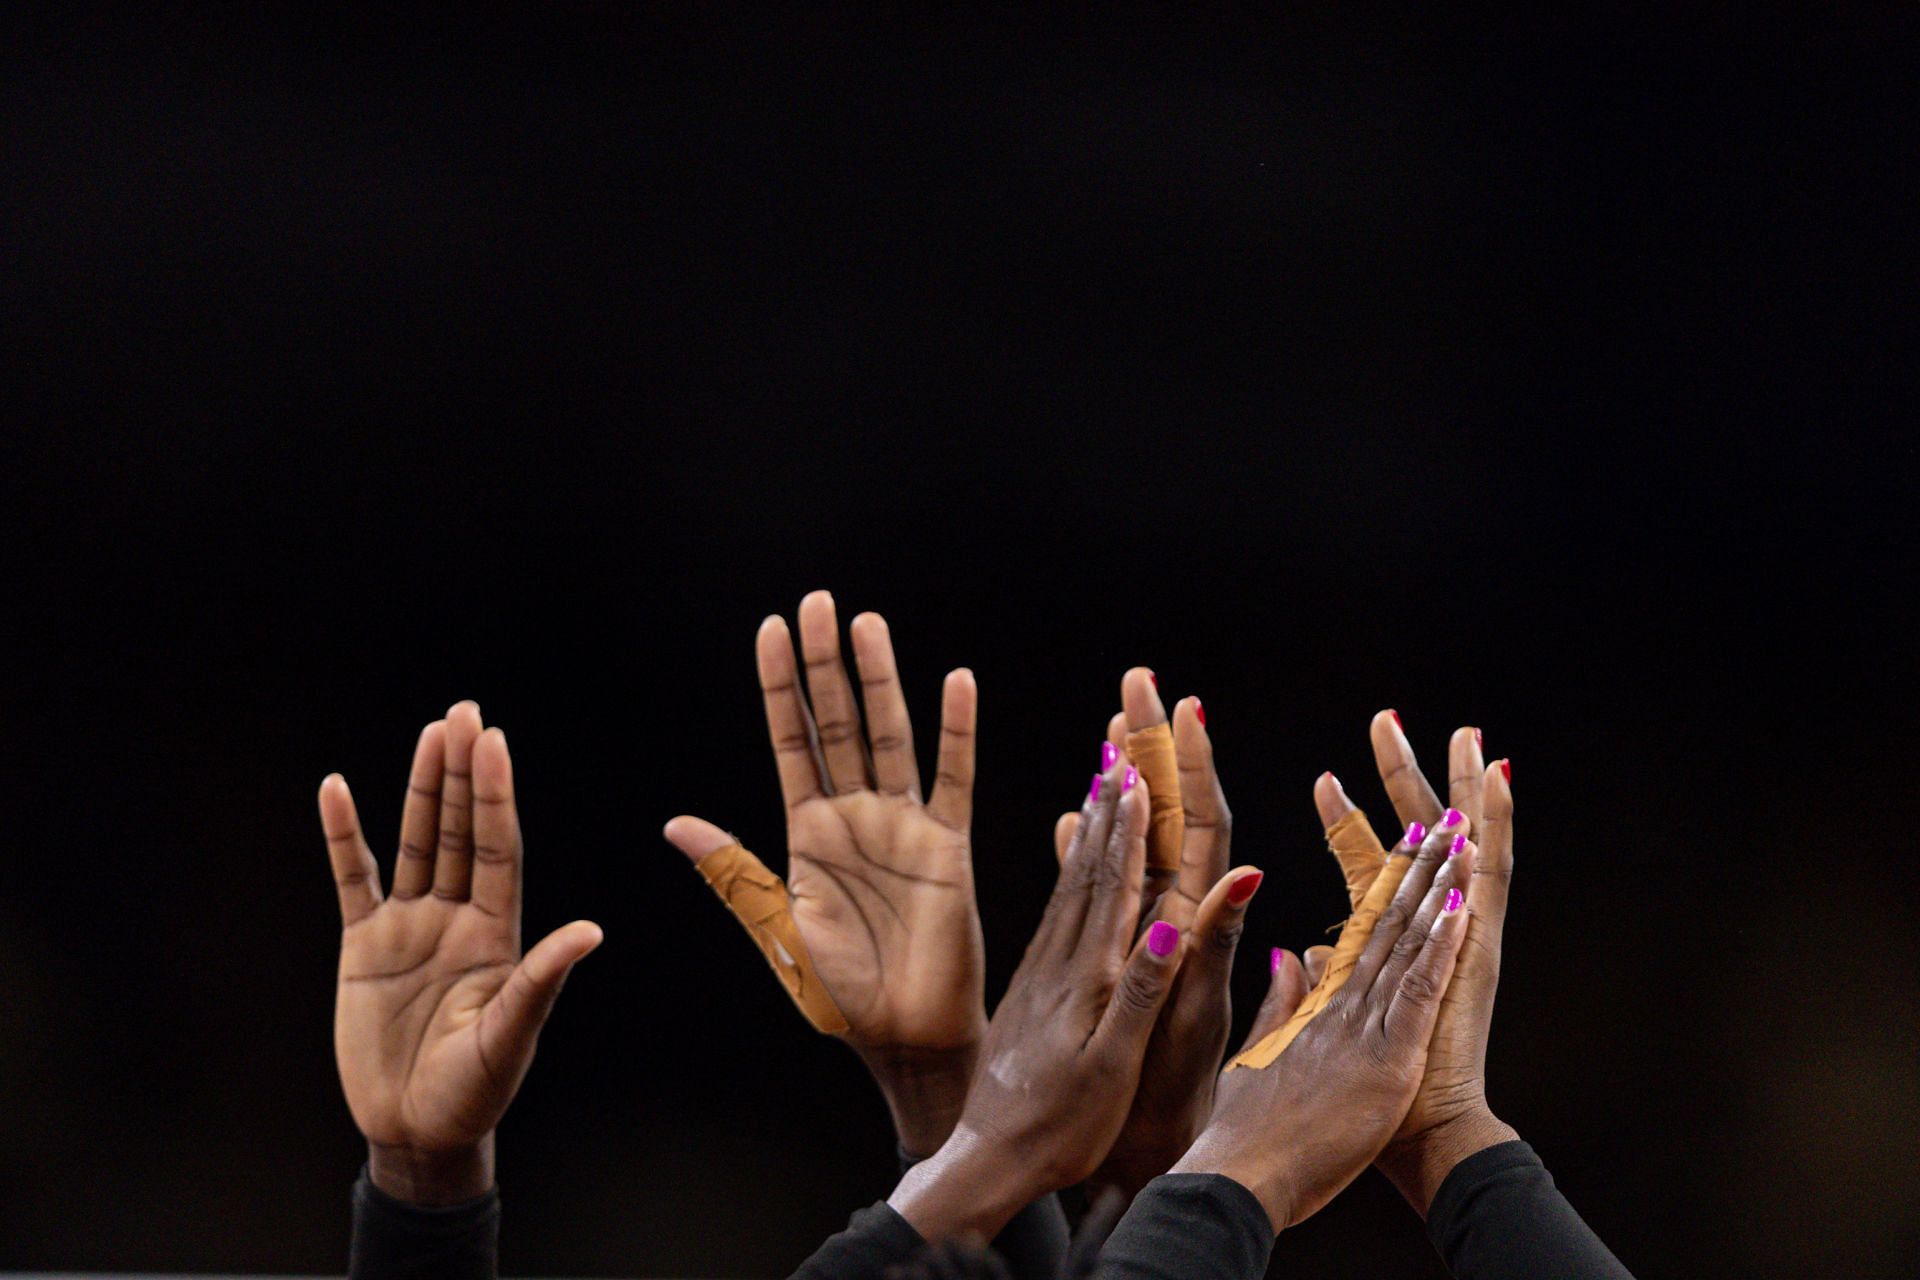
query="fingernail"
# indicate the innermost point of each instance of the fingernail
(1396, 720)
(1479, 741)
(1243, 888)
(1154, 678)
(1093, 792)
(1126, 783)
(1108, 754)
(1200, 712)
(1328, 775)
(1459, 843)
(1416, 832)
(1454, 899)
(1452, 818)
(1162, 939)
(1273, 963)
(1506, 770)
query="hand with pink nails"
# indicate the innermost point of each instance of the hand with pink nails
(437, 1012)
(1449, 1119)
(1297, 1131)
(1205, 901)
(881, 880)
(1062, 1055)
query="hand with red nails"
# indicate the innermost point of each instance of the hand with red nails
(1062, 1055)
(1208, 903)
(881, 880)
(1449, 1119)
(437, 1012)
(1296, 1132)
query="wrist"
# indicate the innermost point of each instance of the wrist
(970, 1186)
(1417, 1165)
(925, 1090)
(1262, 1171)
(432, 1179)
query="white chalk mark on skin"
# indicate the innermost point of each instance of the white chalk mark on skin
(786, 957)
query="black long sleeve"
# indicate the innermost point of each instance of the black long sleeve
(1498, 1216)
(876, 1238)
(1034, 1242)
(394, 1240)
(1185, 1226)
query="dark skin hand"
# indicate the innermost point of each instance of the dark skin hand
(437, 1012)
(1298, 1131)
(1062, 1054)
(1207, 903)
(881, 880)
(1449, 1119)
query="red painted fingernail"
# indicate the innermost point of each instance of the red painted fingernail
(1154, 678)
(1454, 899)
(1199, 711)
(1162, 939)
(1506, 770)
(1452, 818)
(1396, 719)
(1328, 775)
(1093, 792)
(1416, 832)
(1459, 843)
(1108, 754)
(1273, 965)
(1126, 783)
(1243, 888)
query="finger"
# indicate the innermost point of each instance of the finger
(1416, 1001)
(1150, 745)
(1428, 848)
(696, 837)
(889, 731)
(355, 874)
(1464, 769)
(836, 718)
(789, 724)
(1206, 823)
(453, 855)
(1350, 837)
(1413, 800)
(952, 803)
(1492, 877)
(510, 1024)
(1140, 700)
(1113, 905)
(1137, 998)
(497, 849)
(1063, 835)
(1330, 798)
(1315, 959)
(1213, 938)
(1081, 867)
(1286, 988)
(1448, 883)
(420, 818)
(1117, 731)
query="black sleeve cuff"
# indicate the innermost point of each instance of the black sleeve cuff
(876, 1238)
(394, 1240)
(1498, 1215)
(1190, 1224)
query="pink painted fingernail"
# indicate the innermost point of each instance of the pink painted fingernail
(1093, 792)
(1273, 965)
(1108, 754)
(1479, 741)
(1416, 832)
(1162, 939)
(1452, 818)
(1459, 843)
(1126, 783)
(1454, 899)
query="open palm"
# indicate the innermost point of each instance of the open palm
(881, 882)
(437, 1013)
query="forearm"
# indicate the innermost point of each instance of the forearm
(968, 1187)
(1034, 1242)
(1498, 1216)
(1418, 1166)
(432, 1179)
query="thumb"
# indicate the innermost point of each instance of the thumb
(513, 1018)
(1284, 994)
(1316, 963)
(1135, 1004)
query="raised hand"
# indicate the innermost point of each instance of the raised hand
(437, 1012)
(881, 881)
(1449, 1119)
(1298, 1130)
(1062, 1056)
(1203, 900)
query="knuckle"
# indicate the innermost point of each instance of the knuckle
(1225, 938)
(1139, 990)
(1419, 986)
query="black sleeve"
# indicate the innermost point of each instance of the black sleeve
(876, 1238)
(1184, 1226)
(1034, 1242)
(394, 1240)
(1498, 1215)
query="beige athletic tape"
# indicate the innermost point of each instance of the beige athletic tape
(1151, 750)
(1360, 853)
(759, 901)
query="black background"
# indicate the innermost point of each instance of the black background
(1545, 374)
